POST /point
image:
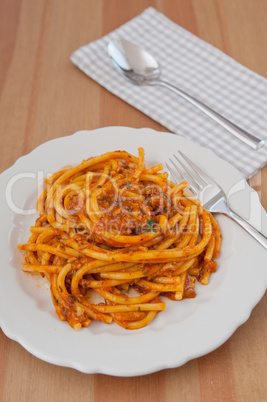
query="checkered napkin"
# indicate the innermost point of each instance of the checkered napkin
(197, 68)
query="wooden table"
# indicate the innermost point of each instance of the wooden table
(43, 96)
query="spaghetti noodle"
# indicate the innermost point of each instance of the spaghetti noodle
(113, 228)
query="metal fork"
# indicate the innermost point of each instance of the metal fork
(211, 195)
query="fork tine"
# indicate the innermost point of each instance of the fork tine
(202, 177)
(175, 173)
(188, 174)
(183, 175)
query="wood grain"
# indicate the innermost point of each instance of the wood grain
(43, 96)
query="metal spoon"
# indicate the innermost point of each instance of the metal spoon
(141, 68)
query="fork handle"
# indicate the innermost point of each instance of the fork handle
(238, 132)
(260, 237)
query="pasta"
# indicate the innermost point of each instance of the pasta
(112, 228)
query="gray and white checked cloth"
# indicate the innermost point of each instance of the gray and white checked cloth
(197, 68)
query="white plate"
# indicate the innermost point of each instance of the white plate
(186, 329)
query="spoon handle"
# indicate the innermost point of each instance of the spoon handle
(242, 135)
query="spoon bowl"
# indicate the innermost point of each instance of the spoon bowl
(141, 68)
(134, 62)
